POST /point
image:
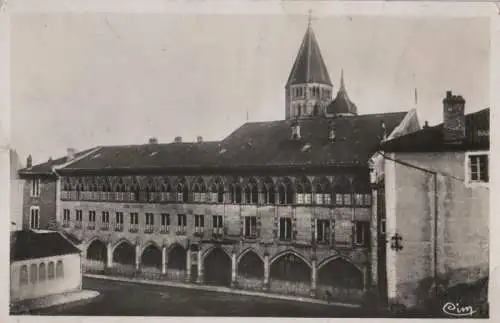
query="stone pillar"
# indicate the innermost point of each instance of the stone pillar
(188, 264)
(199, 277)
(109, 256)
(233, 269)
(266, 272)
(163, 260)
(137, 257)
(314, 273)
(366, 279)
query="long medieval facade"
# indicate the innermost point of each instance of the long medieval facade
(282, 206)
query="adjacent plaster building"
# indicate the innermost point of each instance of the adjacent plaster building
(42, 264)
(436, 206)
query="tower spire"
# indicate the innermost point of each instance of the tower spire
(342, 85)
(309, 18)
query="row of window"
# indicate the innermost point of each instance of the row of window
(236, 196)
(41, 272)
(311, 92)
(250, 225)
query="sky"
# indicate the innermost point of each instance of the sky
(82, 80)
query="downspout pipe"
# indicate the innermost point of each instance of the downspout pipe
(435, 224)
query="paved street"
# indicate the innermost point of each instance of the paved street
(121, 298)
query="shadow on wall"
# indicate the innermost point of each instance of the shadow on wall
(465, 299)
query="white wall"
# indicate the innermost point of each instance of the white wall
(71, 280)
(462, 232)
(16, 192)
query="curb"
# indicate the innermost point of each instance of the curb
(58, 299)
(222, 290)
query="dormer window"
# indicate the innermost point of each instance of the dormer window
(331, 134)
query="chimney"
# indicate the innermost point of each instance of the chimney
(453, 118)
(295, 130)
(178, 139)
(29, 162)
(199, 139)
(71, 152)
(152, 141)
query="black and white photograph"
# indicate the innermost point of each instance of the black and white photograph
(292, 163)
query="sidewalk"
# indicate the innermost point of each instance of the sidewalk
(56, 299)
(222, 290)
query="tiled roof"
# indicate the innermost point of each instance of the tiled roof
(254, 145)
(149, 156)
(430, 139)
(309, 66)
(46, 167)
(27, 244)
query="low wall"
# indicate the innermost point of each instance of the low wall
(250, 283)
(290, 287)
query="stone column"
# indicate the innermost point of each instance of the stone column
(188, 264)
(365, 277)
(199, 277)
(163, 260)
(266, 272)
(137, 256)
(233, 269)
(109, 256)
(314, 273)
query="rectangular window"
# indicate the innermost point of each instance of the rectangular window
(339, 199)
(478, 168)
(307, 198)
(91, 224)
(35, 187)
(285, 229)
(300, 198)
(134, 222)
(250, 227)
(79, 216)
(35, 217)
(119, 221)
(181, 223)
(217, 224)
(165, 222)
(149, 223)
(368, 199)
(361, 233)
(359, 199)
(105, 220)
(323, 231)
(199, 223)
(347, 199)
(66, 218)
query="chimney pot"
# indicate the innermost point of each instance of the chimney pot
(199, 139)
(29, 161)
(448, 94)
(178, 139)
(153, 141)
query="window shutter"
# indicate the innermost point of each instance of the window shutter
(353, 240)
(258, 225)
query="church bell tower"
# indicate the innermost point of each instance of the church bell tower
(308, 89)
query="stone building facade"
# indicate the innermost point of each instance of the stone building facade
(282, 206)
